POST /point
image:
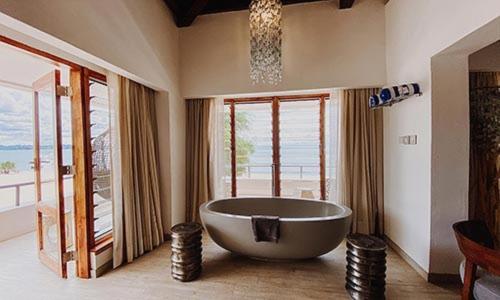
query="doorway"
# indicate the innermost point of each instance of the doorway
(54, 157)
(484, 164)
(36, 141)
(450, 148)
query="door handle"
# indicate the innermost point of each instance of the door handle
(67, 170)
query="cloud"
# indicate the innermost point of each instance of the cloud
(16, 125)
(16, 118)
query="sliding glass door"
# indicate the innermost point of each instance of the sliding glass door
(275, 146)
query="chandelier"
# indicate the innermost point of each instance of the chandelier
(265, 41)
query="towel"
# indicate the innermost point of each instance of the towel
(266, 228)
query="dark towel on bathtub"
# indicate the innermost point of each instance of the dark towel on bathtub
(266, 228)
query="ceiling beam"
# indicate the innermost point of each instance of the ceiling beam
(186, 11)
(187, 18)
(343, 4)
(174, 8)
(225, 6)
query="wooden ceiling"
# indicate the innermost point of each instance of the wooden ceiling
(186, 11)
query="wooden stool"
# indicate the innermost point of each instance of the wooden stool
(186, 251)
(366, 266)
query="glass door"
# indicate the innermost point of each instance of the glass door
(49, 169)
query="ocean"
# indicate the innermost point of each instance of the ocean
(23, 157)
(295, 159)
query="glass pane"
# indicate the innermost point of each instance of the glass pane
(50, 236)
(47, 147)
(16, 148)
(227, 150)
(101, 158)
(254, 151)
(48, 175)
(331, 145)
(328, 151)
(299, 149)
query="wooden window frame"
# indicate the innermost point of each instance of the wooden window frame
(82, 158)
(275, 102)
(106, 239)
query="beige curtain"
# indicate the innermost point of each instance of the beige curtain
(138, 224)
(198, 187)
(360, 175)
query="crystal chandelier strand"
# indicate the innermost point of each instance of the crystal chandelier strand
(265, 41)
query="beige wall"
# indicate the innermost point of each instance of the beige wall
(424, 180)
(137, 39)
(486, 59)
(450, 143)
(17, 221)
(323, 47)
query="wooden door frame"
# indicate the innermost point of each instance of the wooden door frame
(275, 102)
(82, 157)
(84, 196)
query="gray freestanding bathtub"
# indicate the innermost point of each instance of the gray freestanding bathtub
(308, 228)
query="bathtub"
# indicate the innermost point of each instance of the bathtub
(308, 228)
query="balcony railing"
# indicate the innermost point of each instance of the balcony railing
(247, 169)
(102, 206)
(297, 180)
(17, 187)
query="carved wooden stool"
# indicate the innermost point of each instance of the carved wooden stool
(186, 251)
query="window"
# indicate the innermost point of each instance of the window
(101, 157)
(276, 146)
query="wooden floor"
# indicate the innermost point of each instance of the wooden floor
(224, 277)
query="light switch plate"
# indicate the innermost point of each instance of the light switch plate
(408, 139)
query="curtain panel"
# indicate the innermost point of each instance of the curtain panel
(217, 167)
(137, 226)
(198, 170)
(332, 140)
(360, 172)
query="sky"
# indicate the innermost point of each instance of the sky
(16, 118)
(299, 132)
(16, 114)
